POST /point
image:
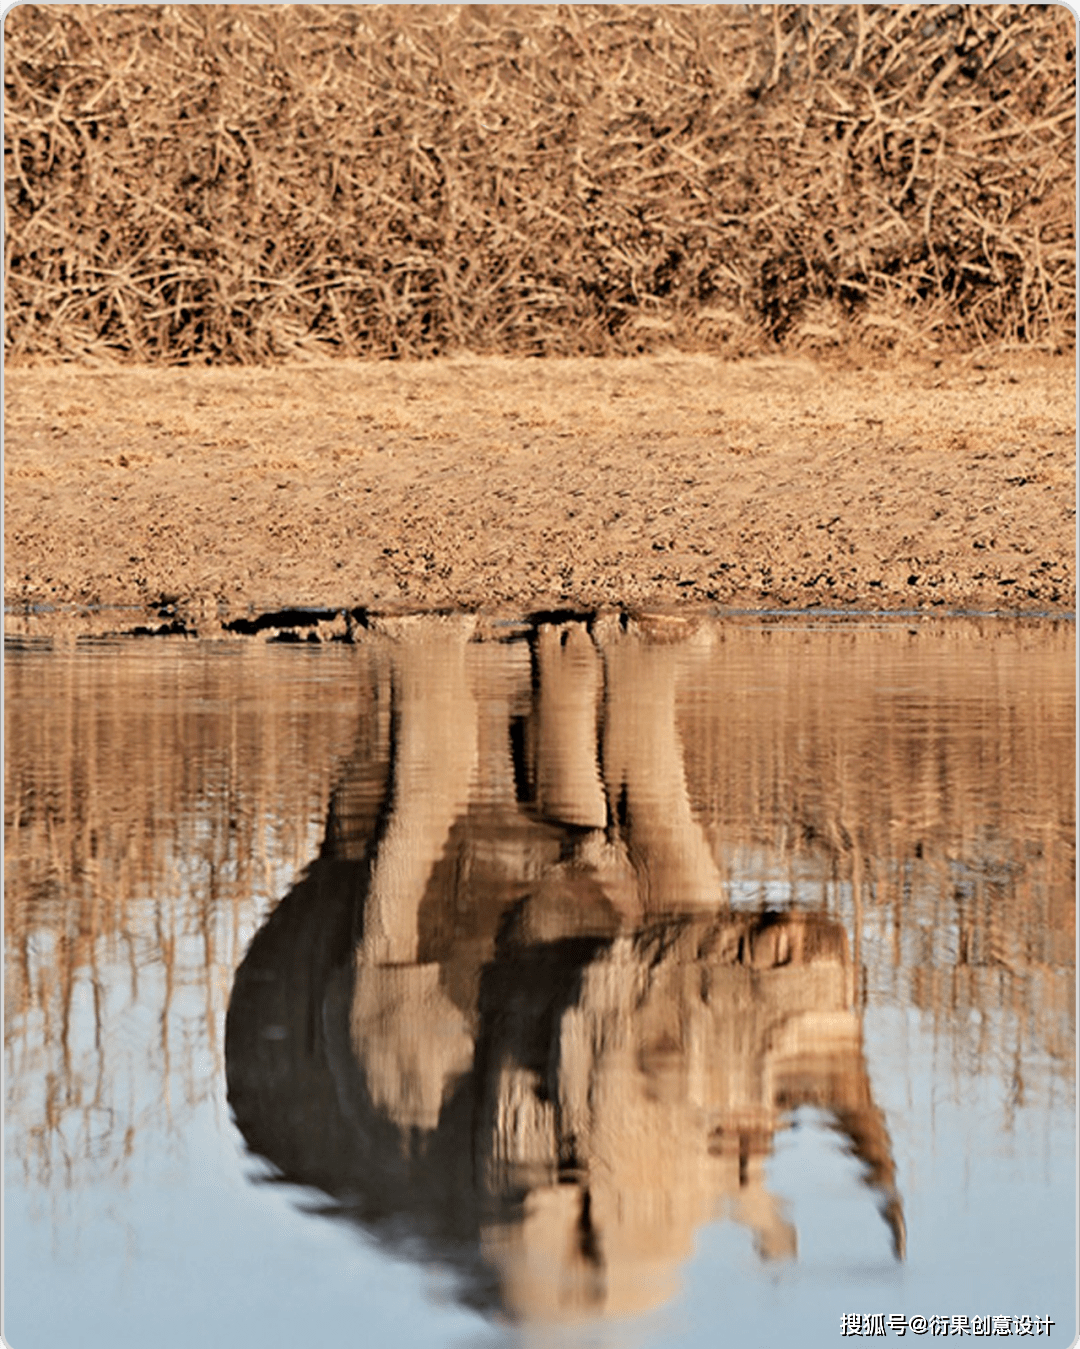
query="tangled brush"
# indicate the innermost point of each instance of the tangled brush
(234, 183)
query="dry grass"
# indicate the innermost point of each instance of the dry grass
(227, 183)
(935, 812)
(940, 829)
(136, 879)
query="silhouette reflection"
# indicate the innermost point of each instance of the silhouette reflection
(507, 1020)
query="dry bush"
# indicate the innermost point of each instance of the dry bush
(135, 879)
(932, 810)
(230, 183)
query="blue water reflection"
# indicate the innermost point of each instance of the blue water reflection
(606, 982)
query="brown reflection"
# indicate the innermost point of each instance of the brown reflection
(912, 782)
(156, 795)
(508, 1012)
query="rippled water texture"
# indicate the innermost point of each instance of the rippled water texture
(647, 982)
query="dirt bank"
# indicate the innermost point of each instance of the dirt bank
(516, 485)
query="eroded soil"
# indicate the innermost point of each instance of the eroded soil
(516, 485)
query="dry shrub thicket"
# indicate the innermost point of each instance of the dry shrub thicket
(134, 880)
(230, 183)
(941, 832)
(939, 825)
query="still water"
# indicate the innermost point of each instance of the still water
(644, 982)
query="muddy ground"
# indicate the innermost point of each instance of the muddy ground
(518, 485)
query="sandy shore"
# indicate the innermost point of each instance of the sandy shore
(515, 485)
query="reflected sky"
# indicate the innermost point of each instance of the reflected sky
(540, 983)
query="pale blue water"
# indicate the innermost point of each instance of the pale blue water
(135, 1212)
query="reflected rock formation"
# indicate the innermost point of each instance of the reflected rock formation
(507, 1021)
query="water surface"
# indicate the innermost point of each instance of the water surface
(633, 982)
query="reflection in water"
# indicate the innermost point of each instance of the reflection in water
(595, 908)
(509, 1009)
